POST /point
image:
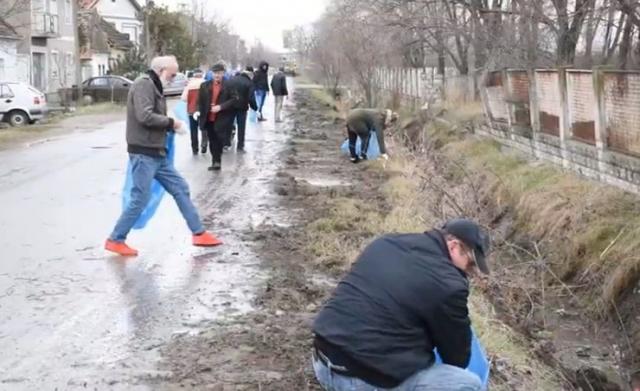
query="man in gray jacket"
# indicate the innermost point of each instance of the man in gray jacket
(147, 127)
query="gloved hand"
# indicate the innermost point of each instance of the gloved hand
(196, 115)
(384, 156)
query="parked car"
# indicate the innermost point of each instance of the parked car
(109, 88)
(21, 104)
(192, 72)
(177, 85)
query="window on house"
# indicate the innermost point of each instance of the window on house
(69, 65)
(53, 7)
(67, 12)
(55, 64)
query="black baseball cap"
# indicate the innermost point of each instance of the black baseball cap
(470, 233)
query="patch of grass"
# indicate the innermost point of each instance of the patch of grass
(511, 350)
(336, 239)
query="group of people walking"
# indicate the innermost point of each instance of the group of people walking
(219, 103)
(214, 102)
(405, 295)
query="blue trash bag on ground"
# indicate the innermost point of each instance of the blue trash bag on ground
(157, 191)
(478, 363)
(372, 152)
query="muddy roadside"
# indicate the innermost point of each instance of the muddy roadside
(335, 209)
(269, 349)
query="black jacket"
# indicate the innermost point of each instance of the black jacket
(279, 84)
(402, 298)
(228, 99)
(261, 77)
(246, 94)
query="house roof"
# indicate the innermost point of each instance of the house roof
(91, 4)
(7, 31)
(96, 35)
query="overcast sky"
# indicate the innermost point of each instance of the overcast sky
(263, 19)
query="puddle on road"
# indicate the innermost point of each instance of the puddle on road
(323, 181)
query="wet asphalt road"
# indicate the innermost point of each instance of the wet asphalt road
(73, 316)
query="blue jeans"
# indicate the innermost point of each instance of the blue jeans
(261, 96)
(439, 377)
(144, 169)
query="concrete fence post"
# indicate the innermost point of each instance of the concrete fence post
(506, 91)
(600, 118)
(564, 122)
(534, 110)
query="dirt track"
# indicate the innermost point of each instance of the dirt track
(269, 349)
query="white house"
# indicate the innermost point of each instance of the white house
(101, 45)
(8, 52)
(46, 46)
(122, 13)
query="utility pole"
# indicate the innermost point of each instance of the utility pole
(76, 37)
(147, 30)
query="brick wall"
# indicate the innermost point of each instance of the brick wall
(496, 98)
(582, 103)
(622, 111)
(518, 87)
(548, 93)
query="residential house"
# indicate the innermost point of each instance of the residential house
(101, 44)
(9, 39)
(124, 14)
(45, 52)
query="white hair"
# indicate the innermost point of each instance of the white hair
(161, 63)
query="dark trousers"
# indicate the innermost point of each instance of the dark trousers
(193, 125)
(364, 144)
(241, 119)
(217, 140)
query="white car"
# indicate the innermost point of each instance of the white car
(21, 104)
(176, 86)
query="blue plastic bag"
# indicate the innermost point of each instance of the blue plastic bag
(157, 191)
(478, 364)
(372, 152)
(253, 116)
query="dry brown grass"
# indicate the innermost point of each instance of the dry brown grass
(590, 231)
(333, 247)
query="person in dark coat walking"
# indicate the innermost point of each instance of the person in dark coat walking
(280, 92)
(261, 86)
(217, 101)
(405, 295)
(246, 98)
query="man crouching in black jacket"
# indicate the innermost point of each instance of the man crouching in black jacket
(217, 100)
(404, 296)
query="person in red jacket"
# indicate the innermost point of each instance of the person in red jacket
(190, 95)
(217, 100)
